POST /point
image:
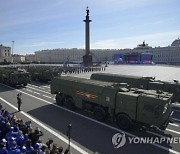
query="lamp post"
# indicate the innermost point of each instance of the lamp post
(69, 135)
(12, 51)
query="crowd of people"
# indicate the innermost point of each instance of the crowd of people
(19, 137)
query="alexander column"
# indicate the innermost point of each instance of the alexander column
(87, 58)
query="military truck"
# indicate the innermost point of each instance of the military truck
(14, 76)
(117, 102)
(42, 73)
(148, 83)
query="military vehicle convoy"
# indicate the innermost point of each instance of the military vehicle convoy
(42, 73)
(117, 102)
(14, 76)
(148, 83)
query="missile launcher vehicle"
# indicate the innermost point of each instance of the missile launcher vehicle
(126, 106)
(14, 76)
(148, 83)
(42, 73)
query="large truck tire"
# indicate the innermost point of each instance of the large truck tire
(69, 103)
(25, 84)
(99, 113)
(124, 122)
(3, 80)
(59, 99)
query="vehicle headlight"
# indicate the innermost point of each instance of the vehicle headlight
(165, 108)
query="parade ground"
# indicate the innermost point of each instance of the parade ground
(88, 135)
(160, 72)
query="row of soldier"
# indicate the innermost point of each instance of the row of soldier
(77, 70)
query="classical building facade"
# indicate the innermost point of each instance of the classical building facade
(163, 55)
(73, 55)
(5, 54)
(169, 54)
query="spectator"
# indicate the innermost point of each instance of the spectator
(25, 138)
(11, 133)
(37, 148)
(49, 144)
(20, 139)
(30, 133)
(54, 149)
(36, 135)
(3, 129)
(14, 149)
(43, 149)
(3, 146)
(66, 151)
(60, 150)
(29, 148)
(10, 142)
(23, 150)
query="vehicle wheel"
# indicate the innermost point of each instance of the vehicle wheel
(3, 81)
(59, 99)
(69, 103)
(25, 84)
(33, 78)
(100, 113)
(124, 121)
(11, 84)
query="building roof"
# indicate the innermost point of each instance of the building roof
(176, 43)
(2, 46)
(143, 46)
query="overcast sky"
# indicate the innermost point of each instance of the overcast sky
(116, 24)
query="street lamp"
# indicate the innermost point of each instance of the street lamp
(12, 51)
(69, 135)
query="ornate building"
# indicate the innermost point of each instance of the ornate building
(162, 55)
(167, 55)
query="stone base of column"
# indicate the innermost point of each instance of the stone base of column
(87, 60)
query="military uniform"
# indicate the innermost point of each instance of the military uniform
(19, 102)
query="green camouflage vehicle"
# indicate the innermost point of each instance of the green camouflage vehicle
(14, 76)
(120, 103)
(142, 82)
(42, 73)
(172, 87)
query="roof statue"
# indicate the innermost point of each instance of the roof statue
(144, 45)
(87, 11)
